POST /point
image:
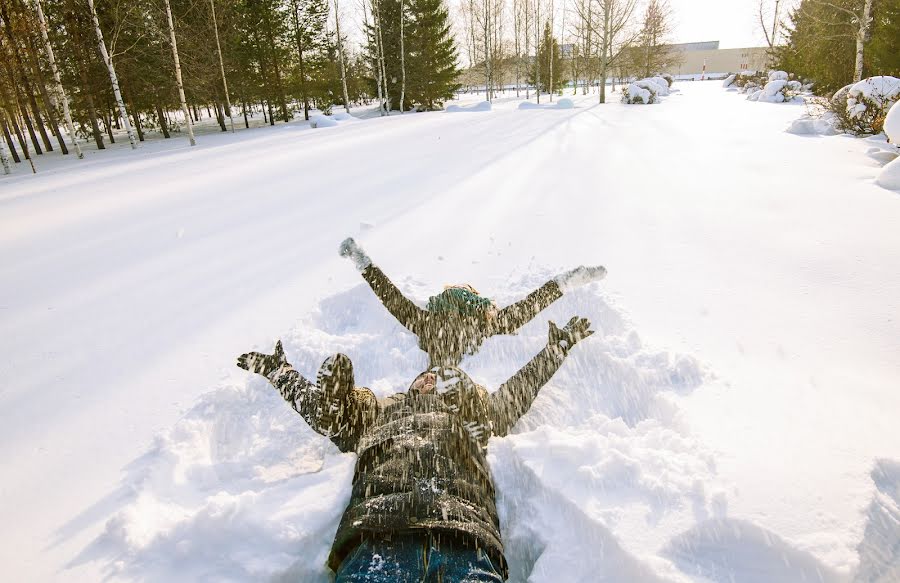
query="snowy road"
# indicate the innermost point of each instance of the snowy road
(131, 282)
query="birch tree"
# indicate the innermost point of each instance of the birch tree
(112, 76)
(178, 81)
(212, 7)
(402, 59)
(340, 49)
(4, 158)
(61, 97)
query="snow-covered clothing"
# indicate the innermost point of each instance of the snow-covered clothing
(421, 466)
(449, 334)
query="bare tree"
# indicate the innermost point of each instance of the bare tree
(60, 97)
(113, 79)
(402, 59)
(212, 7)
(178, 81)
(771, 31)
(653, 39)
(340, 48)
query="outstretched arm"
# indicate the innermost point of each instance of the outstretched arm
(515, 396)
(332, 407)
(513, 317)
(401, 307)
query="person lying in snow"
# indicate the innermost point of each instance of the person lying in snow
(422, 506)
(458, 320)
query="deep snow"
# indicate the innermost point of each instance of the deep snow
(724, 424)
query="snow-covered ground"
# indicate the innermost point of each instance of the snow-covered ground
(734, 418)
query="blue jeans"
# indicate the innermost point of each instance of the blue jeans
(419, 558)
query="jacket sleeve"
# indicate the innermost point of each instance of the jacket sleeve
(341, 416)
(514, 397)
(513, 317)
(401, 307)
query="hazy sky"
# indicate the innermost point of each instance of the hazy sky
(733, 22)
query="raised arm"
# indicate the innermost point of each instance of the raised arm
(401, 307)
(515, 396)
(513, 317)
(332, 406)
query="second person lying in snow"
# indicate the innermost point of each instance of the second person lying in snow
(458, 320)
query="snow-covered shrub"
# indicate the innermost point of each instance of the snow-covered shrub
(777, 91)
(868, 103)
(746, 81)
(861, 108)
(642, 92)
(662, 85)
(669, 78)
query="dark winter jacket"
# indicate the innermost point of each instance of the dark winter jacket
(447, 336)
(421, 457)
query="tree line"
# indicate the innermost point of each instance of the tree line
(87, 68)
(837, 42)
(518, 42)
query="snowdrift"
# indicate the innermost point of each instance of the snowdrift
(330, 121)
(480, 106)
(563, 103)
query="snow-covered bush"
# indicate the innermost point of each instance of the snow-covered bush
(746, 81)
(646, 91)
(861, 108)
(778, 89)
(868, 103)
(634, 94)
(669, 78)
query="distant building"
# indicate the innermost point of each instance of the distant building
(718, 61)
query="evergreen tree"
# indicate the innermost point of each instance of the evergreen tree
(431, 73)
(547, 50)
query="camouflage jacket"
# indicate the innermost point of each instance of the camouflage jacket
(421, 457)
(447, 337)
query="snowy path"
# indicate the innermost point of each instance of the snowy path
(131, 284)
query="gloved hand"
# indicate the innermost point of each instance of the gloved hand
(579, 276)
(575, 331)
(265, 364)
(350, 249)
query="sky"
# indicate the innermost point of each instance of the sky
(732, 22)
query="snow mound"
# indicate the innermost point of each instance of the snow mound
(810, 125)
(879, 550)
(330, 121)
(778, 76)
(892, 124)
(480, 106)
(564, 103)
(889, 177)
(736, 551)
(729, 80)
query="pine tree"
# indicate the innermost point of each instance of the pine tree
(547, 50)
(431, 73)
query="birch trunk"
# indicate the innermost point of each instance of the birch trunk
(377, 16)
(112, 75)
(212, 7)
(178, 81)
(864, 35)
(340, 48)
(377, 59)
(4, 158)
(402, 61)
(58, 87)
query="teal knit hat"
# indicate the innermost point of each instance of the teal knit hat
(458, 300)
